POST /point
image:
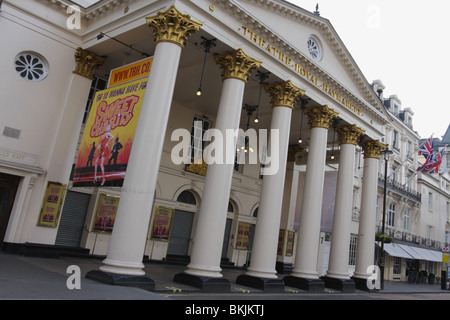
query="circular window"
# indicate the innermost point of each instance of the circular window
(314, 48)
(31, 66)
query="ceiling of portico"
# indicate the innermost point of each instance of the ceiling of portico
(189, 75)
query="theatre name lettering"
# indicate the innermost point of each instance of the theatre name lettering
(306, 74)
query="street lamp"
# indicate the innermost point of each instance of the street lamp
(386, 154)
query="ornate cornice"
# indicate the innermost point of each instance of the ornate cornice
(172, 26)
(349, 134)
(86, 63)
(236, 64)
(320, 117)
(370, 104)
(283, 94)
(373, 148)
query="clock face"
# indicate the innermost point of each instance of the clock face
(314, 48)
(30, 66)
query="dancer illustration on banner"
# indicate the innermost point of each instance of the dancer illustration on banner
(103, 153)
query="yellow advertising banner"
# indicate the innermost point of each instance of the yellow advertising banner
(105, 213)
(242, 239)
(51, 205)
(108, 136)
(130, 72)
(161, 223)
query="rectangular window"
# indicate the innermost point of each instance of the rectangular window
(430, 201)
(352, 250)
(410, 150)
(97, 84)
(391, 215)
(199, 126)
(396, 265)
(448, 210)
(406, 220)
(395, 140)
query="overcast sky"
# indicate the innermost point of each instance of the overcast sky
(406, 45)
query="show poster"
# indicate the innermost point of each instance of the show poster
(161, 223)
(108, 136)
(242, 239)
(105, 213)
(51, 205)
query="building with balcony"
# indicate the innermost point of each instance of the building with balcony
(417, 238)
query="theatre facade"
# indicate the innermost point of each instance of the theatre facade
(120, 135)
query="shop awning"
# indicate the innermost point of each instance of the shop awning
(410, 252)
(394, 250)
(429, 255)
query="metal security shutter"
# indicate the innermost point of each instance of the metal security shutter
(180, 232)
(72, 219)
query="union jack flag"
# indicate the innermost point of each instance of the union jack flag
(432, 163)
(426, 149)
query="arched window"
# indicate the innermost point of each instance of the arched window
(187, 197)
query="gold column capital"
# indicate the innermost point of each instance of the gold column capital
(373, 148)
(86, 62)
(349, 134)
(283, 94)
(320, 117)
(172, 26)
(236, 64)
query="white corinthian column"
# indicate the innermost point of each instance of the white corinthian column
(366, 235)
(127, 244)
(304, 274)
(261, 273)
(204, 269)
(337, 275)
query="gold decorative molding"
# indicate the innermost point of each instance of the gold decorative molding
(236, 64)
(283, 94)
(86, 63)
(320, 117)
(172, 26)
(373, 148)
(200, 169)
(349, 134)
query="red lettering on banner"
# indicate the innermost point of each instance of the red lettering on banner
(117, 114)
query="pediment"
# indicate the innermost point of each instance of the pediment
(290, 27)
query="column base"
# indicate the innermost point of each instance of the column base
(361, 284)
(344, 285)
(266, 284)
(284, 267)
(311, 285)
(206, 284)
(141, 282)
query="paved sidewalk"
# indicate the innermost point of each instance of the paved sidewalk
(32, 278)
